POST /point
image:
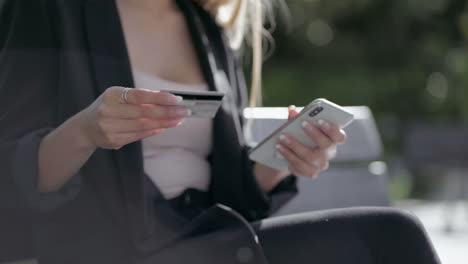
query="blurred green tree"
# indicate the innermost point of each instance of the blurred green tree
(406, 59)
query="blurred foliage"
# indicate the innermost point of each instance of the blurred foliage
(406, 59)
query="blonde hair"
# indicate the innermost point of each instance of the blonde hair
(238, 17)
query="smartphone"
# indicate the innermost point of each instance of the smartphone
(265, 152)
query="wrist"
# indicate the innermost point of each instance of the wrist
(267, 178)
(79, 131)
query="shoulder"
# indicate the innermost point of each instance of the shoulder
(32, 23)
(29, 11)
(19, 7)
(24, 23)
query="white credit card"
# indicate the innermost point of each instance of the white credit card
(202, 104)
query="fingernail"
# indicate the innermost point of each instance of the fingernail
(307, 126)
(178, 99)
(292, 107)
(322, 123)
(277, 153)
(285, 139)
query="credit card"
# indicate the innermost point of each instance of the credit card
(203, 104)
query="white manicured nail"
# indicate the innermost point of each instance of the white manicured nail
(322, 123)
(306, 125)
(277, 153)
(285, 139)
(178, 99)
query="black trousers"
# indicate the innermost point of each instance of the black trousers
(366, 235)
(355, 235)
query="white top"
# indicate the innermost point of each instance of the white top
(175, 159)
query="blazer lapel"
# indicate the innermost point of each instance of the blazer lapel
(215, 73)
(107, 45)
(202, 45)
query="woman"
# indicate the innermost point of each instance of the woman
(122, 176)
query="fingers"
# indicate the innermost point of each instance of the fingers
(316, 134)
(112, 123)
(109, 126)
(333, 131)
(315, 157)
(297, 148)
(292, 112)
(113, 95)
(132, 111)
(325, 135)
(142, 104)
(304, 160)
(296, 165)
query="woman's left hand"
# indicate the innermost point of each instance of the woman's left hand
(304, 160)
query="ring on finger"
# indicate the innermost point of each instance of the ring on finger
(124, 95)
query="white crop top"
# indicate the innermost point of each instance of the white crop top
(176, 159)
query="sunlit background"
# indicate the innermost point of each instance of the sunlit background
(408, 61)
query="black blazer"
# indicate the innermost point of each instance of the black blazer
(56, 58)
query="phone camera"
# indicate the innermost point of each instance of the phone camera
(316, 111)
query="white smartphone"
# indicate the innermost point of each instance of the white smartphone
(265, 152)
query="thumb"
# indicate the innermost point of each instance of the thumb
(292, 112)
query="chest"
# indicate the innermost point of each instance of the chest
(160, 46)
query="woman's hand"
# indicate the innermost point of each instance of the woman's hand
(303, 160)
(111, 123)
(307, 161)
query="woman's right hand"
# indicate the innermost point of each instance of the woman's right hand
(111, 123)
